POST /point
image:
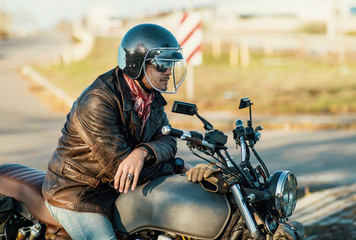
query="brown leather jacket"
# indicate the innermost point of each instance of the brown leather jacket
(101, 130)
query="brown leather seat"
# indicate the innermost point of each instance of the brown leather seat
(24, 185)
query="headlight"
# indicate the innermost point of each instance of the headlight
(282, 185)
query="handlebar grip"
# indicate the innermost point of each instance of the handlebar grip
(239, 123)
(167, 130)
(176, 132)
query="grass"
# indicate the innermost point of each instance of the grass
(286, 83)
(75, 77)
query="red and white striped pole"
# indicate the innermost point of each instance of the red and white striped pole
(190, 38)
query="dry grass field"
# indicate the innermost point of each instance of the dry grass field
(285, 83)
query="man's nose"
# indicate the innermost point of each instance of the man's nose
(168, 71)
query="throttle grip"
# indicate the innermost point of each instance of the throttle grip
(167, 130)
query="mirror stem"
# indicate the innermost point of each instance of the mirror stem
(250, 122)
(207, 125)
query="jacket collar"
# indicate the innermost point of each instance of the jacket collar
(158, 100)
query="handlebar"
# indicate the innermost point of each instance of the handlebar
(167, 130)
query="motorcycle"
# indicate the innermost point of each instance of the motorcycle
(170, 207)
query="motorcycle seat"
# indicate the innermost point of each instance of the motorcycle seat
(24, 184)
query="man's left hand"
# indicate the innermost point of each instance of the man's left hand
(129, 170)
(200, 171)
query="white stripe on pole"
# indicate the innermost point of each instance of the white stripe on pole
(190, 38)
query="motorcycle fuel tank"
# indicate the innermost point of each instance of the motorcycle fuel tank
(172, 204)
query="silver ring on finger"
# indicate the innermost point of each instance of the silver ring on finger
(129, 176)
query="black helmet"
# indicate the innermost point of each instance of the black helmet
(150, 43)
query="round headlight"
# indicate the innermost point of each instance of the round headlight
(282, 185)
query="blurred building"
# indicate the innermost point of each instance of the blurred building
(221, 16)
(286, 16)
(103, 20)
(313, 16)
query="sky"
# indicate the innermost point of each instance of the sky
(44, 14)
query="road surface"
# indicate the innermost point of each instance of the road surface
(28, 129)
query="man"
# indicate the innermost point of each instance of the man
(112, 139)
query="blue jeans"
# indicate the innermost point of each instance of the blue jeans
(83, 225)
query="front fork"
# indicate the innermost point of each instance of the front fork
(236, 192)
(249, 220)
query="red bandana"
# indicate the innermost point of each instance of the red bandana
(142, 101)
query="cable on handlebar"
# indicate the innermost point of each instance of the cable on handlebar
(225, 170)
(199, 142)
(240, 170)
(261, 162)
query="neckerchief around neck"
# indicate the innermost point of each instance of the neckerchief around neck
(142, 101)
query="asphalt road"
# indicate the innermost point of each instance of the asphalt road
(28, 129)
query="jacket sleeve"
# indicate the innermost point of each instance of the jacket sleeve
(164, 147)
(98, 124)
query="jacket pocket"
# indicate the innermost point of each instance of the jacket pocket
(108, 160)
(72, 171)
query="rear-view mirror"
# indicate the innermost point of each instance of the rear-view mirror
(184, 108)
(244, 103)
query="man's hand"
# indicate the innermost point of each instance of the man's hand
(209, 178)
(200, 171)
(129, 170)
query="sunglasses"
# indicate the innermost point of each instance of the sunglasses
(161, 65)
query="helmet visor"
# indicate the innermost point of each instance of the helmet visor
(170, 71)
